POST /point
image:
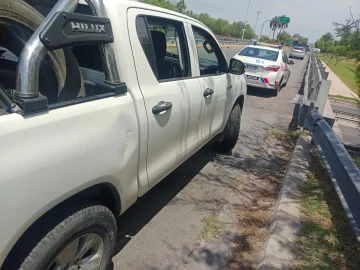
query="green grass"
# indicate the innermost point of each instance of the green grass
(345, 98)
(356, 158)
(213, 228)
(325, 240)
(285, 135)
(344, 69)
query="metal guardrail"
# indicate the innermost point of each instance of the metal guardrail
(316, 89)
(344, 173)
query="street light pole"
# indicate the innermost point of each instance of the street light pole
(263, 28)
(247, 11)
(257, 18)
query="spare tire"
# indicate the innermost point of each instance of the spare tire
(60, 77)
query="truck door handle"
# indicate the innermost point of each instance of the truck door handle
(208, 92)
(161, 107)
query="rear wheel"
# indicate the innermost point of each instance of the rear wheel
(287, 80)
(60, 77)
(275, 92)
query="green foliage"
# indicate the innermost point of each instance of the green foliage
(347, 45)
(160, 3)
(275, 24)
(326, 43)
(284, 37)
(301, 39)
(266, 39)
(218, 26)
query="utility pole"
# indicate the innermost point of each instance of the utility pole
(257, 18)
(243, 30)
(263, 28)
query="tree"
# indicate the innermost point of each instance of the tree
(326, 42)
(284, 37)
(181, 7)
(160, 3)
(283, 26)
(275, 24)
(301, 39)
(349, 34)
(218, 26)
(265, 39)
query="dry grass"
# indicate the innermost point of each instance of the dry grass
(255, 218)
(325, 240)
(213, 228)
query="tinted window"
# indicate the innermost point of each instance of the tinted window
(145, 40)
(165, 47)
(260, 53)
(285, 58)
(211, 59)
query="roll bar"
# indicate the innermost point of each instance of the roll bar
(27, 80)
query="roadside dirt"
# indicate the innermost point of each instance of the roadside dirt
(255, 217)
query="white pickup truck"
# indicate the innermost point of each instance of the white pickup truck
(103, 101)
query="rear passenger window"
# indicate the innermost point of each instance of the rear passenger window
(165, 47)
(211, 59)
(285, 58)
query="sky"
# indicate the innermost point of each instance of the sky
(309, 18)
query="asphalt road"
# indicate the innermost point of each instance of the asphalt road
(346, 110)
(164, 229)
(351, 135)
(350, 130)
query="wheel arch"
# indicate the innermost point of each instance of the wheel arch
(103, 193)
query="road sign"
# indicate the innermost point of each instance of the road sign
(284, 19)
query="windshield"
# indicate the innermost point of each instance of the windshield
(260, 53)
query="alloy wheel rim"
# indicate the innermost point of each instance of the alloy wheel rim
(83, 253)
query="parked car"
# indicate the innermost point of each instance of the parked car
(101, 123)
(266, 67)
(298, 52)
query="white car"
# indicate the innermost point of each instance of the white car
(298, 52)
(266, 67)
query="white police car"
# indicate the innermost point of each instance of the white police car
(266, 67)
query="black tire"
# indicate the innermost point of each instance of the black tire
(275, 92)
(231, 131)
(285, 84)
(91, 220)
(59, 70)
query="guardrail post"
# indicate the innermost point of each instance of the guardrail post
(323, 95)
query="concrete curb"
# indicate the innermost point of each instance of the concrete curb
(280, 246)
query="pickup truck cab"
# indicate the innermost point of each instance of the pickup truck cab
(144, 89)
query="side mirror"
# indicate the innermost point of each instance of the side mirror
(236, 67)
(291, 62)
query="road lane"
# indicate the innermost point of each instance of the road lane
(346, 110)
(351, 135)
(163, 230)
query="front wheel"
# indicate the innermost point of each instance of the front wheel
(231, 131)
(84, 240)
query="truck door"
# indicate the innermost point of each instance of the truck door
(172, 97)
(214, 81)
